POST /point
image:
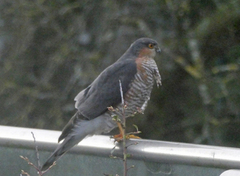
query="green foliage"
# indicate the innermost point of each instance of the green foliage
(50, 50)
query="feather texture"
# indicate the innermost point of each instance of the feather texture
(137, 71)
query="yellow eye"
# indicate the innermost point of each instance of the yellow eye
(150, 46)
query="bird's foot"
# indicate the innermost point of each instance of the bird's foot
(131, 136)
(119, 137)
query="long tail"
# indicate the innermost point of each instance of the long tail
(73, 133)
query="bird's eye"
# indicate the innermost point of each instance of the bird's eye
(150, 46)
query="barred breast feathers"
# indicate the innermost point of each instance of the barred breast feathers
(139, 94)
(148, 65)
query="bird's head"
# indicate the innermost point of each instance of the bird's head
(145, 47)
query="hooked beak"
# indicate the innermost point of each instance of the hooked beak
(158, 50)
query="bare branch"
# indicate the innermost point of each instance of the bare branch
(24, 173)
(125, 169)
(38, 167)
(36, 150)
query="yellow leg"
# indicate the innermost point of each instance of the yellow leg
(119, 136)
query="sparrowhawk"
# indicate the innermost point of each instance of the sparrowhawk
(137, 71)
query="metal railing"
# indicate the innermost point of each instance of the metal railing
(151, 151)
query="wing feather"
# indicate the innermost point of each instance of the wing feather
(104, 91)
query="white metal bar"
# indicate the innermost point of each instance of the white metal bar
(147, 150)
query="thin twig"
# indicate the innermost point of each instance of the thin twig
(24, 173)
(29, 163)
(125, 169)
(38, 167)
(36, 150)
(54, 164)
(131, 167)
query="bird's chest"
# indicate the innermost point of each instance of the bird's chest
(137, 96)
(147, 72)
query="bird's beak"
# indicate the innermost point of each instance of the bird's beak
(158, 50)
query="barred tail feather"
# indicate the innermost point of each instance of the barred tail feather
(66, 145)
(75, 131)
(72, 134)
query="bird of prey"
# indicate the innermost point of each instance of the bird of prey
(137, 70)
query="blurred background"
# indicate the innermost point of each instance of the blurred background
(50, 50)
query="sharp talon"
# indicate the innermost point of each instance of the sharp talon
(119, 137)
(131, 136)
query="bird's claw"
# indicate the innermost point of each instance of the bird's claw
(119, 137)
